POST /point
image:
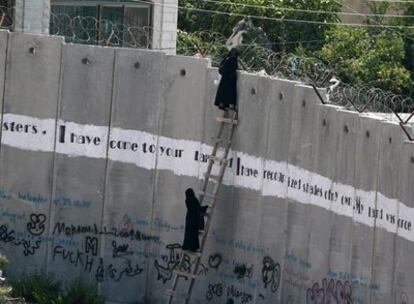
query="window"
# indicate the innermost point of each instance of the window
(112, 23)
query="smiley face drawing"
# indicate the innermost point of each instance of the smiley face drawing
(36, 226)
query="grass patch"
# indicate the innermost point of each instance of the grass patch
(41, 289)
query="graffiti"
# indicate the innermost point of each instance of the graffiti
(242, 271)
(91, 245)
(131, 234)
(271, 274)
(126, 225)
(214, 261)
(171, 261)
(120, 251)
(203, 270)
(36, 226)
(72, 230)
(76, 258)
(214, 290)
(331, 292)
(234, 292)
(116, 274)
(29, 246)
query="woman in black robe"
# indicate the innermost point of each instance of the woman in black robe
(227, 91)
(194, 221)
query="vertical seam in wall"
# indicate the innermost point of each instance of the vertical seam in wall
(43, 26)
(162, 24)
(354, 190)
(6, 59)
(262, 198)
(53, 169)
(104, 200)
(315, 138)
(23, 15)
(161, 109)
(396, 240)
(293, 89)
(204, 135)
(333, 177)
(376, 208)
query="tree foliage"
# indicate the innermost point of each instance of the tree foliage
(284, 35)
(364, 58)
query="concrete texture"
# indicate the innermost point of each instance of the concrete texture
(99, 145)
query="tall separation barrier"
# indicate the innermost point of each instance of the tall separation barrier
(99, 144)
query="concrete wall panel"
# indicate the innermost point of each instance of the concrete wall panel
(136, 106)
(345, 124)
(298, 223)
(366, 169)
(273, 211)
(31, 93)
(86, 94)
(403, 280)
(324, 170)
(183, 83)
(384, 258)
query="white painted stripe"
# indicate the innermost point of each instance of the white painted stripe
(185, 157)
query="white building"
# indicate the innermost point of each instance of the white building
(158, 18)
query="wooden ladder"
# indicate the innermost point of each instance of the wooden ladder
(184, 267)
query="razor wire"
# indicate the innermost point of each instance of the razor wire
(258, 59)
(90, 30)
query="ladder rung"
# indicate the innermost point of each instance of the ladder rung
(227, 120)
(171, 292)
(218, 159)
(214, 158)
(186, 274)
(193, 253)
(221, 141)
(206, 194)
(213, 179)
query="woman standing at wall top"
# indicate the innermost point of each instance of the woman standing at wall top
(227, 91)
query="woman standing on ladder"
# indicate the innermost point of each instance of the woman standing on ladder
(226, 97)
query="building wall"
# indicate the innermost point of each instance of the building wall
(99, 144)
(165, 17)
(32, 16)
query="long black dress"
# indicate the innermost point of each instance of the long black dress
(227, 91)
(193, 221)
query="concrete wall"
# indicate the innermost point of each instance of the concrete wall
(99, 144)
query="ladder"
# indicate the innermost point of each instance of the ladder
(227, 120)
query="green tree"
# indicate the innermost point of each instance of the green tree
(366, 59)
(284, 35)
